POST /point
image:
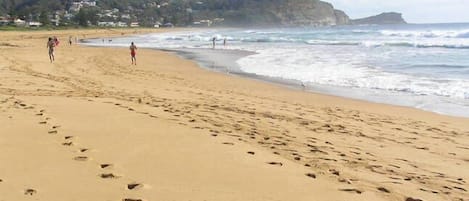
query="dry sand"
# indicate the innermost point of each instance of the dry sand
(92, 127)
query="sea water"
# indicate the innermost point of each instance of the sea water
(424, 66)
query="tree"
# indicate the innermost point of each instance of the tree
(44, 18)
(80, 18)
(87, 16)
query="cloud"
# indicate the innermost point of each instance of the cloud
(415, 11)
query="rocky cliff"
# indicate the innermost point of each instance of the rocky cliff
(383, 18)
(310, 12)
(286, 13)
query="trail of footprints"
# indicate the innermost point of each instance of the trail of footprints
(279, 143)
(297, 157)
(82, 157)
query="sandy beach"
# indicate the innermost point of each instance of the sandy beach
(90, 126)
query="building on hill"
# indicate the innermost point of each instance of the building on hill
(168, 25)
(19, 22)
(77, 5)
(157, 25)
(5, 20)
(134, 24)
(34, 24)
(107, 24)
(121, 24)
(55, 19)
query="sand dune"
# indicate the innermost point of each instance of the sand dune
(92, 127)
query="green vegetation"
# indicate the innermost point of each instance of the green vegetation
(177, 12)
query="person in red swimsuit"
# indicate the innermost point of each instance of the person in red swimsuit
(133, 52)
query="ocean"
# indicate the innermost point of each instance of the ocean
(424, 66)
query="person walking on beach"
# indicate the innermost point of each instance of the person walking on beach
(51, 46)
(214, 39)
(224, 42)
(70, 40)
(133, 49)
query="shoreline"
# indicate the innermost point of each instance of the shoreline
(225, 61)
(168, 129)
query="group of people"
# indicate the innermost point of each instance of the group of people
(53, 42)
(214, 41)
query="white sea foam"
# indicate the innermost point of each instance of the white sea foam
(464, 33)
(345, 70)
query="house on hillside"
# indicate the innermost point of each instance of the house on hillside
(5, 21)
(55, 19)
(134, 24)
(107, 24)
(125, 16)
(168, 25)
(77, 5)
(157, 25)
(19, 22)
(205, 23)
(121, 24)
(34, 24)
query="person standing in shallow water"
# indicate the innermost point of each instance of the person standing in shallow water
(133, 53)
(51, 45)
(214, 39)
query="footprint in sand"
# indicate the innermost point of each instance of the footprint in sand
(352, 190)
(53, 132)
(68, 137)
(84, 150)
(134, 186)
(68, 144)
(131, 199)
(334, 172)
(81, 158)
(105, 166)
(382, 189)
(228, 143)
(343, 180)
(412, 199)
(30, 191)
(108, 176)
(251, 152)
(43, 122)
(311, 175)
(275, 163)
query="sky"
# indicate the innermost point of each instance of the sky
(414, 11)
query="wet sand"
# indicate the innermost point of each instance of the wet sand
(92, 127)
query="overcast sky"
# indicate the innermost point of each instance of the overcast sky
(415, 11)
